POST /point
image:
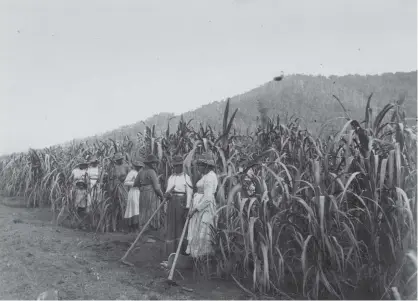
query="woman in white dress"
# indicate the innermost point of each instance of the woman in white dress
(203, 209)
(79, 178)
(93, 173)
(132, 206)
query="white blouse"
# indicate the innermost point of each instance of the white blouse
(207, 184)
(206, 189)
(93, 173)
(130, 178)
(181, 183)
(78, 174)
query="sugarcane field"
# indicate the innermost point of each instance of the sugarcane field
(304, 187)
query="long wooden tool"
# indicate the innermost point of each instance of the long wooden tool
(123, 259)
(173, 267)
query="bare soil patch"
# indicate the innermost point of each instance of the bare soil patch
(36, 255)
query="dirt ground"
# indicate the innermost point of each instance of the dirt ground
(36, 255)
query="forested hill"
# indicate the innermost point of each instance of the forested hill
(307, 97)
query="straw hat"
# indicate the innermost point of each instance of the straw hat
(206, 158)
(118, 156)
(151, 159)
(138, 162)
(177, 160)
(82, 161)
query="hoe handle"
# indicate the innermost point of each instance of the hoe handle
(143, 230)
(170, 276)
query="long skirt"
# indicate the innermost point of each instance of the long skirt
(94, 197)
(148, 203)
(82, 204)
(95, 191)
(175, 220)
(81, 198)
(199, 233)
(118, 191)
(132, 207)
(119, 196)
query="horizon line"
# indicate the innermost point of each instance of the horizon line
(210, 102)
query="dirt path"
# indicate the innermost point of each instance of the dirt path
(36, 255)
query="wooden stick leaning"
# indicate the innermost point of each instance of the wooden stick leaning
(173, 267)
(123, 259)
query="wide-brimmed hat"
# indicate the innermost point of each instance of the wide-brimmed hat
(93, 159)
(207, 159)
(177, 160)
(138, 162)
(118, 156)
(82, 161)
(151, 159)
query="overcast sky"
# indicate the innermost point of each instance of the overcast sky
(70, 69)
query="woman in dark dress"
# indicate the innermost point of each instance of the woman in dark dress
(150, 192)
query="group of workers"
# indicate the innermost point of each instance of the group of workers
(144, 195)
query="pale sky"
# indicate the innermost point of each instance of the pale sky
(70, 69)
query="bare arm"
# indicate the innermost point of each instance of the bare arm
(189, 191)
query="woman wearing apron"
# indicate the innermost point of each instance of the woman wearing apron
(203, 209)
